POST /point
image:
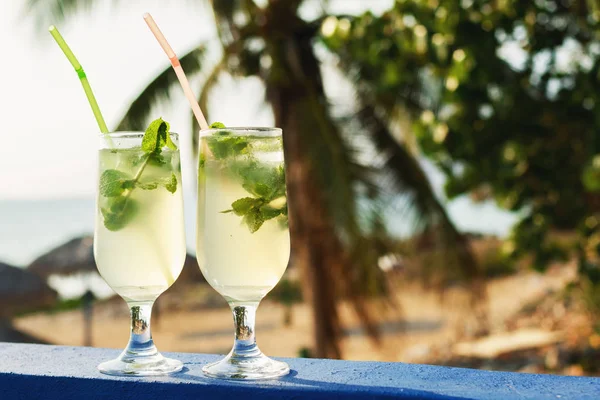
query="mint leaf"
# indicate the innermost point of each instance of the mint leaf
(224, 145)
(227, 146)
(258, 189)
(156, 158)
(265, 183)
(163, 135)
(117, 186)
(170, 183)
(255, 211)
(262, 189)
(171, 186)
(217, 125)
(155, 137)
(119, 212)
(113, 183)
(283, 222)
(169, 142)
(243, 206)
(267, 212)
(254, 220)
(147, 186)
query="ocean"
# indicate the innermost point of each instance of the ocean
(30, 228)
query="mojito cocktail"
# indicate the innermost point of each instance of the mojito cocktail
(139, 242)
(243, 242)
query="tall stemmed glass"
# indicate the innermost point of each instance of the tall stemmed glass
(139, 242)
(243, 242)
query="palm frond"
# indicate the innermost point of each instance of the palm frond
(399, 165)
(408, 177)
(403, 177)
(207, 85)
(225, 8)
(135, 117)
(224, 13)
(46, 12)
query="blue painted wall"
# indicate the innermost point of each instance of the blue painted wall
(56, 372)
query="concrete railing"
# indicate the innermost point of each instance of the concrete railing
(57, 372)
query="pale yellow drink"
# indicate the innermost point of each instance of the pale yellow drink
(243, 243)
(241, 264)
(141, 259)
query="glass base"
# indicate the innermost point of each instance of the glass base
(247, 368)
(153, 365)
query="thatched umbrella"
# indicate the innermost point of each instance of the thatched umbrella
(8, 333)
(77, 255)
(72, 257)
(22, 290)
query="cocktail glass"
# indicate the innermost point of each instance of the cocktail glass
(139, 242)
(243, 243)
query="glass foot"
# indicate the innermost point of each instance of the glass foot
(247, 368)
(152, 365)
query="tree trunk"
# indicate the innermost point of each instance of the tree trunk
(316, 249)
(294, 89)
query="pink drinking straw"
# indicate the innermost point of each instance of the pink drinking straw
(185, 84)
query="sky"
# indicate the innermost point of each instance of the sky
(53, 135)
(50, 136)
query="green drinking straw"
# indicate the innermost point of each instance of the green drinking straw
(84, 82)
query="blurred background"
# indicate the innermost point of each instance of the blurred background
(446, 172)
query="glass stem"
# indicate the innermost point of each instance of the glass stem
(244, 316)
(140, 341)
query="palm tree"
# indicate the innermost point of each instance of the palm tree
(335, 200)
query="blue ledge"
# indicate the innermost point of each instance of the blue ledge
(57, 372)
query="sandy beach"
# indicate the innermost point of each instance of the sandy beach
(197, 320)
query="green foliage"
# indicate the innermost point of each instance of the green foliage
(113, 183)
(217, 125)
(591, 175)
(525, 132)
(67, 305)
(244, 205)
(58, 307)
(224, 146)
(171, 186)
(159, 90)
(118, 212)
(495, 264)
(264, 182)
(118, 209)
(157, 136)
(305, 352)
